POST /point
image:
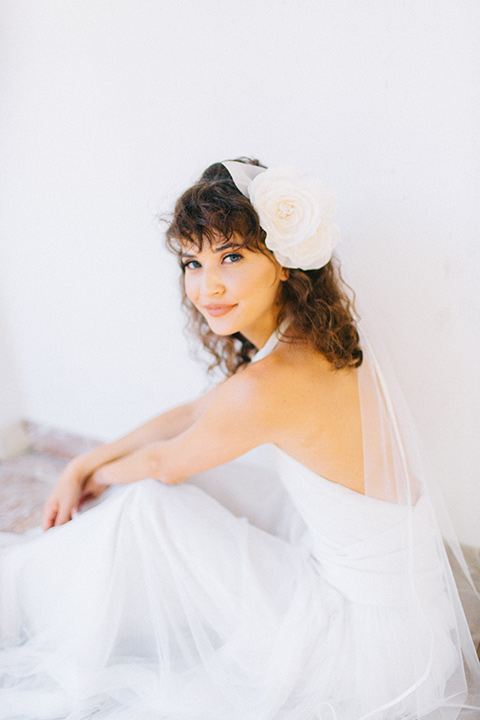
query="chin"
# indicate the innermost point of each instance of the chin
(222, 329)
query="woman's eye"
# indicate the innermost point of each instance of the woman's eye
(191, 264)
(232, 257)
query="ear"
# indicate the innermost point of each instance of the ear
(284, 273)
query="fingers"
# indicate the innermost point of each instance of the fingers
(49, 515)
(67, 498)
(58, 508)
(64, 514)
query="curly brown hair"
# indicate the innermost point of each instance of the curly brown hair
(315, 302)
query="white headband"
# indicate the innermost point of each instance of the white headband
(294, 210)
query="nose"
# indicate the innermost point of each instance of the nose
(212, 283)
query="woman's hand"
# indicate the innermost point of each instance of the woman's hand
(72, 489)
(77, 485)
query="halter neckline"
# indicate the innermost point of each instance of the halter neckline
(271, 343)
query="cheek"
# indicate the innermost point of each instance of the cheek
(189, 286)
(268, 283)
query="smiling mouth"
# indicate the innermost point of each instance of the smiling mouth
(218, 310)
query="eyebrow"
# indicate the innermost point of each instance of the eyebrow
(221, 248)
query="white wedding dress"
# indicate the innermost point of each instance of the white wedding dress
(163, 602)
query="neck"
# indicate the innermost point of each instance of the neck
(261, 331)
(271, 342)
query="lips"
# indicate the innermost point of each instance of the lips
(215, 310)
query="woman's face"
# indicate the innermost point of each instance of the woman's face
(235, 289)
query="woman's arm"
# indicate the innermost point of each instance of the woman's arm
(78, 483)
(239, 417)
(164, 427)
(236, 417)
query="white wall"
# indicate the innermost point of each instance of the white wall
(111, 108)
(13, 438)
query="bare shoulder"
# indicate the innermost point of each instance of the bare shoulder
(300, 394)
(250, 390)
(292, 388)
(280, 383)
(255, 393)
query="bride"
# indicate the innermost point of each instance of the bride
(160, 602)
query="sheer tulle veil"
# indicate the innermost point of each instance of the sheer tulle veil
(397, 472)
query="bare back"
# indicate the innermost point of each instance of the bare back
(315, 412)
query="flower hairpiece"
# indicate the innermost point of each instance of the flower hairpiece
(294, 210)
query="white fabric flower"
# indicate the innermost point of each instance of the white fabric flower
(294, 210)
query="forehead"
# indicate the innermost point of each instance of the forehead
(213, 243)
(207, 249)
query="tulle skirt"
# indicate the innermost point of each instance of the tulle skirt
(161, 603)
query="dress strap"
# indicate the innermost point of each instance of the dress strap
(272, 342)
